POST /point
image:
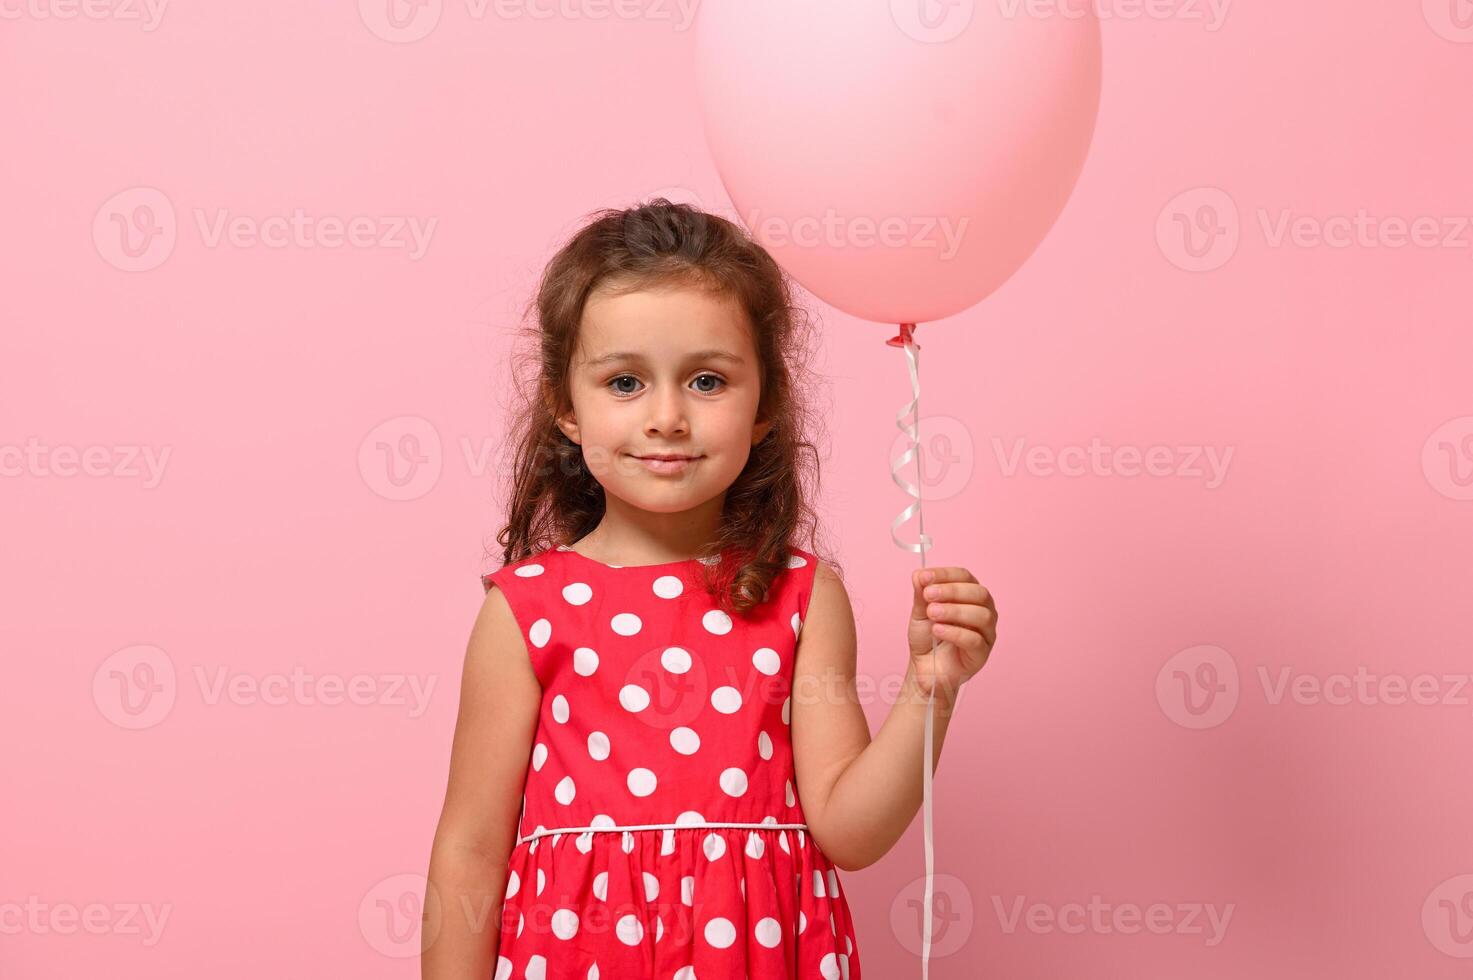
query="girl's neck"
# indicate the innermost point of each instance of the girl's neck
(622, 544)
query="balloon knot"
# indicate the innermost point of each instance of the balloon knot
(905, 338)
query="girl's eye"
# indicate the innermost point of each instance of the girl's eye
(622, 377)
(629, 377)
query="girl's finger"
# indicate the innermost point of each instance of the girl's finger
(960, 635)
(961, 614)
(961, 592)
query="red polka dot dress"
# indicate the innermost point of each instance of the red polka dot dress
(661, 834)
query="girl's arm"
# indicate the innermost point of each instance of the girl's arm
(860, 795)
(499, 700)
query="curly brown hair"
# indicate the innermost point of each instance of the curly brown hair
(654, 245)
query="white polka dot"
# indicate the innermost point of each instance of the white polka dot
(791, 799)
(536, 968)
(829, 966)
(727, 700)
(641, 782)
(818, 889)
(685, 740)
(626, 624)
(540, 633)
(513, 884)
(584, 842)
(802, 921)
(676, 660)
(633, 697)
(782, 841)
(601, 820)
(601, 886)
(539, 756)
(560, 710)
(713, 846)
(833, 883)
(528, 570)
(766, 660)
(797, 625)
(541, 881)
(626, 841)
(585, 661)
(565, 923)
(796, 561)
(756, 846)
(768, 932)
(720, 932)
(659, 927)
(716, 622)
(685, 973)
(668, 586)
(764, 745)
(577, 593)
(565, 790)
(598, 746)
(629, 930)
(733, 782)
(688, 889)
(667, 842)
(689, 818)
(593, 972)
(503, 968)
(651, 887)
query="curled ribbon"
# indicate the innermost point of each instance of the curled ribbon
(906, 339)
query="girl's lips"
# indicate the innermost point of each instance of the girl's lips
(667, 465)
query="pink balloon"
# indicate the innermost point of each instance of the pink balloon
(900, 158)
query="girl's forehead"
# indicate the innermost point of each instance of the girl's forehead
(670, 324)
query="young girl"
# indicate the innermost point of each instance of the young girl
(660, 763)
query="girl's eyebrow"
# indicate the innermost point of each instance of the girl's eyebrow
(714, 354)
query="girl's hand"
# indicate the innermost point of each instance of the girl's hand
(951, 606)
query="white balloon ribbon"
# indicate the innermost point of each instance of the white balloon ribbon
(911, 429)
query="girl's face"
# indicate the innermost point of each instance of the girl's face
(668, 371)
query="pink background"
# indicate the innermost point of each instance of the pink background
(284, 836)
